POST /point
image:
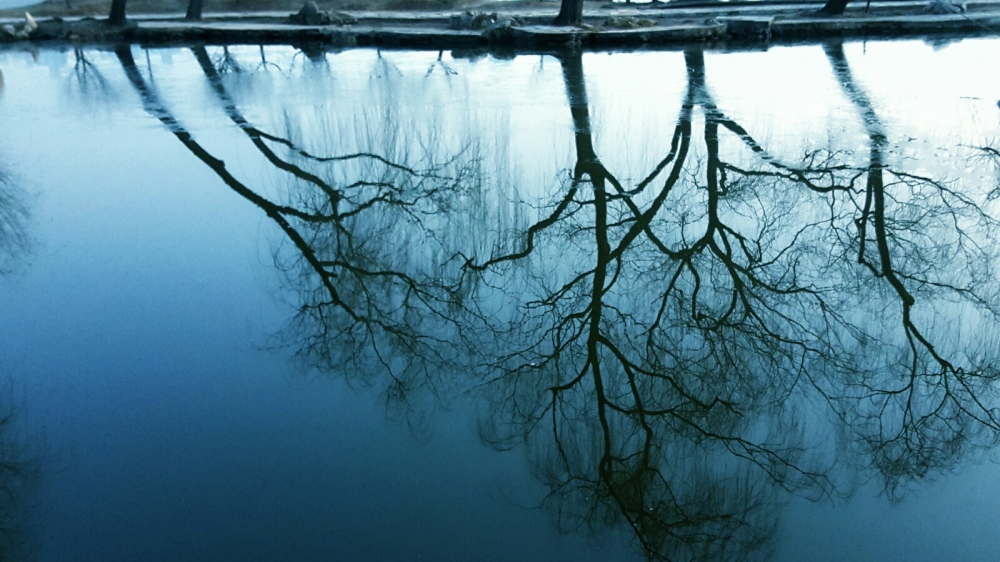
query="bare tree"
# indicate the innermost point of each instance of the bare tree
(570, 13)
(194, 10)
(117, 15)
(837, 7)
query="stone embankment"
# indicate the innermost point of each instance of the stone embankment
(615, 26)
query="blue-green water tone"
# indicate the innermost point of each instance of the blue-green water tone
(5, 4)
(281, 304)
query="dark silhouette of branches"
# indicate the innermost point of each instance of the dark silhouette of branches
(669, 349)
(439, 63)
(19, 463)
(937, 402)
(363, 313)
(87, 75)
(702, 315)
(623, 384)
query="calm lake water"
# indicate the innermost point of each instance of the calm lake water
(4, 4)
(272, 304)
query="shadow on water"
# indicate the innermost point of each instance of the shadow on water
(677, 355)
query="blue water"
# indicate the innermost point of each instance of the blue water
(4, 4)
(187, 385)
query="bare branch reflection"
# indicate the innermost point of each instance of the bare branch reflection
(926, 242)
(19, 476)
(15, 242)
(666, 371)
(357, 225)
(677, 353)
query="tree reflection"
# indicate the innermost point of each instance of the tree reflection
(19, 474)
(667, 369)
(14, 215)
(18, 467)
(677, 353)
(683, 419)
(927, 243)
(87, 76)
(19, 470)
(351, 220)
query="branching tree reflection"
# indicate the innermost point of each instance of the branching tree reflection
(19, 466)
(19, 469)
(927, 242)
(672, 350)
(365, 312)
(756, 317)
(666, 367)
(87, 77)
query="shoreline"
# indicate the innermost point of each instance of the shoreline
(527, 29)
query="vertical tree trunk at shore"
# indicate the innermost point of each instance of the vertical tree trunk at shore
(834, 8)
(194, 10)
(117, 16)
(570, 13)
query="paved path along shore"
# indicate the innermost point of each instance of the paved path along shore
(626, 26)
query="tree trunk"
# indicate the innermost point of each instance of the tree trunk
(834, 8)
(570, 13)
(194, 10)
(117, 16)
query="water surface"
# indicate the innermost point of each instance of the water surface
(268, 303)
(6, 4)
